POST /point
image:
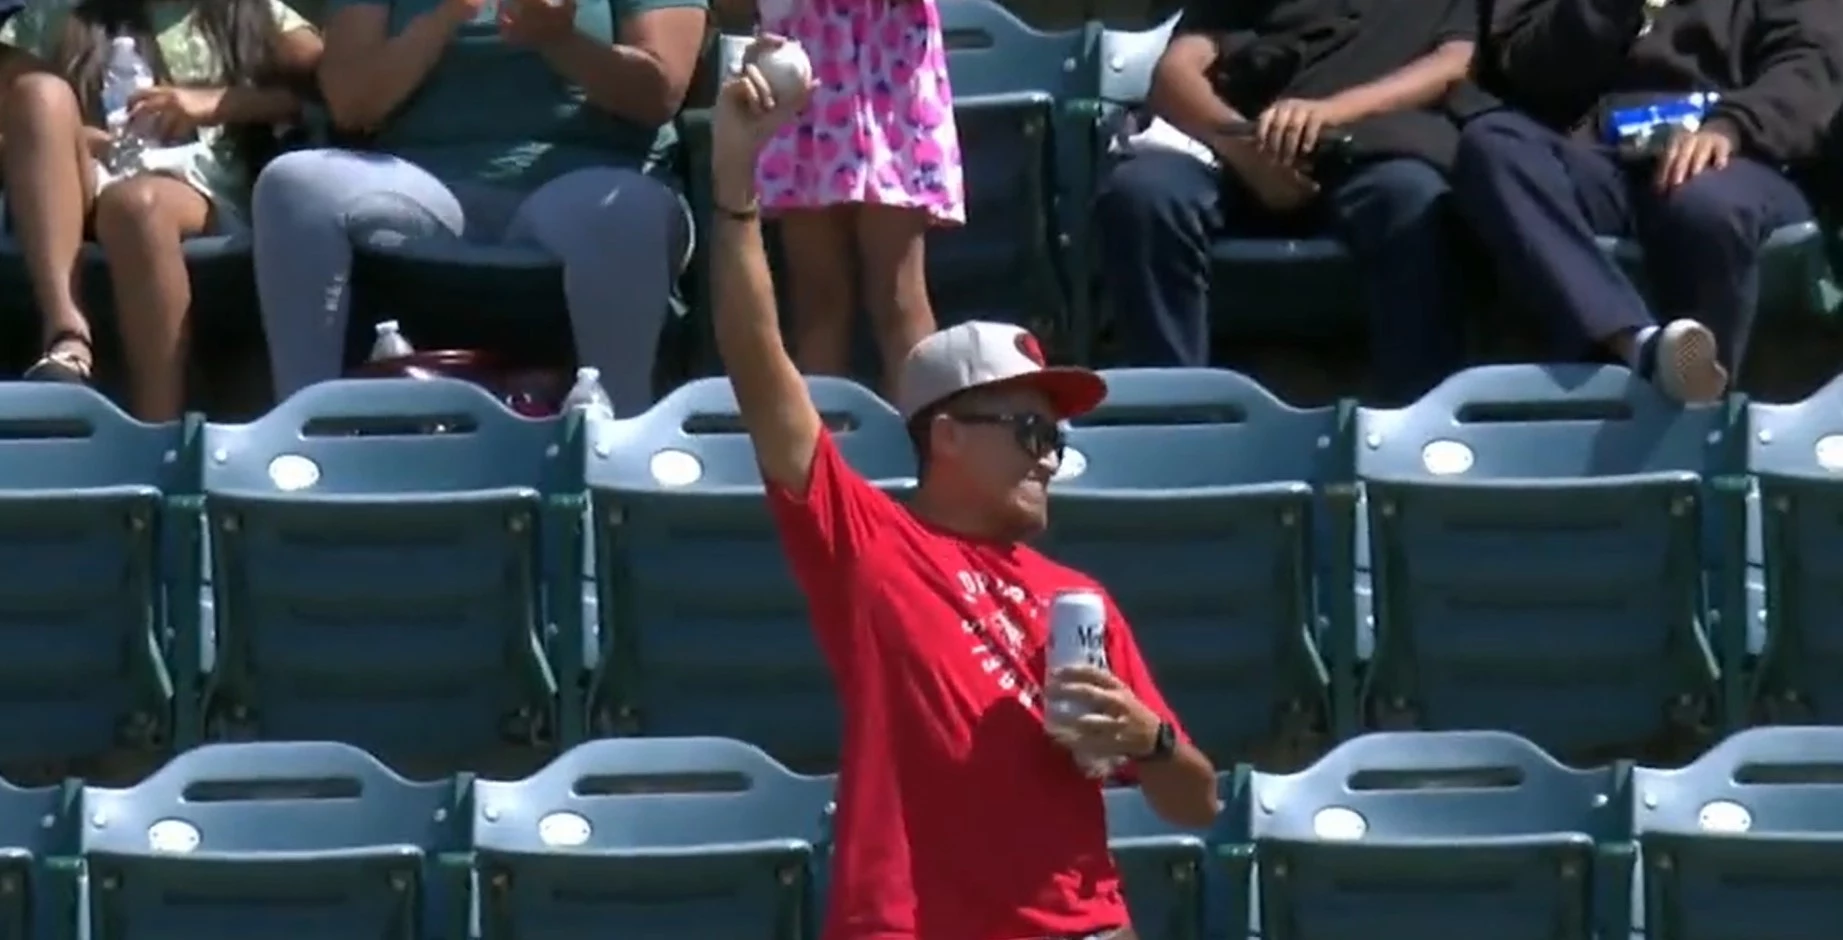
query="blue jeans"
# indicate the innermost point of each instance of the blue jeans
(1538, 198)
(1158, 214)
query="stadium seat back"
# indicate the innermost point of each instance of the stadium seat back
(376, 550)
(1128, 57)
(1011, 85)
(684, 837)
(1393, 836)
(85, 544)
(37, 825)
(1164, 868)
(1729, 842)
(1178, 429)
(1796, 454)
(708, 632)
(295, 838)
(1524, 422)
(693, 440)
(1536, 540)
(1189, 494)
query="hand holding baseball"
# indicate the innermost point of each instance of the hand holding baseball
(770, 89)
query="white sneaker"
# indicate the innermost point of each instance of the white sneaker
(1685, 362)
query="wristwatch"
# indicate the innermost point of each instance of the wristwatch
(1164, 744)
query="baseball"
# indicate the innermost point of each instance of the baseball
(786, 69)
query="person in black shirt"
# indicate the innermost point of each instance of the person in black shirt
(1539, 183)
(1260, 83)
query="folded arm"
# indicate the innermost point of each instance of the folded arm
(644, 76)
(1419, 84)
(367, 73)
(1181, 92)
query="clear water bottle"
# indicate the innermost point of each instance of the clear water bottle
(390, 343)
(588, 395)
(126, 74)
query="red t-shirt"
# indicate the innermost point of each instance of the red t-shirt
(958, 818)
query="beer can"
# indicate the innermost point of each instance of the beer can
(1077, 637)
(1077, 630)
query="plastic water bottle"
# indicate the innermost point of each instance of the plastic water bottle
(390, 343)
(588, 395)
(126, 74)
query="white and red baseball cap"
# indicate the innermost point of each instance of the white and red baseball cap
(980, 354)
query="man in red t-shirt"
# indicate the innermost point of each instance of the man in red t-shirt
(959, 817)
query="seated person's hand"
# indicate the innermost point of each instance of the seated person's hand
(173, 114)
(1289, 130)
(1280, 187)
(532, 23)
(1689, 155)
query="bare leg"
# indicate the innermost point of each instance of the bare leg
(140, 223)
(890, 241)
(821, 286)
(48, 162)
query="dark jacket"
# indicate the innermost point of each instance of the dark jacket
(1778, 64)
(1272, 49)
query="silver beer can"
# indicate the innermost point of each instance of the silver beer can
(1077, 630)
(1077, 637)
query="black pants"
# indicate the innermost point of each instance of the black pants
(1538, 198)
(1158, 213)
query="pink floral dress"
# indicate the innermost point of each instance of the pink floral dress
(879, 128)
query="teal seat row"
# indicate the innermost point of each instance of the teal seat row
(410, 567)
(1391, 836)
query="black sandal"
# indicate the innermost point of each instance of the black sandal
(62, 361)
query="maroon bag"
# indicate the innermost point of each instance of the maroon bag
(532, 392)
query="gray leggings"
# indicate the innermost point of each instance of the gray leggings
(621, 236)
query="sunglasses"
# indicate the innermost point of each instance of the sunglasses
(1039, 435)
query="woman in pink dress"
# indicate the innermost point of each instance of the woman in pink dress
(859, 179)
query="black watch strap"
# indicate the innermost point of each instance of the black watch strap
(1164, 744)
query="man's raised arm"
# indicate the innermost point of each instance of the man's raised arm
(776, 409)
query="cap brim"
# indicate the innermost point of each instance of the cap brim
(1072, 391)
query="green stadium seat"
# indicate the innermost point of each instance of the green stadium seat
(651, 837)
(86, 543)
(1163, 867)
(1536, 538)
(1397, 836)
(1795, 452)
(461, 295)
(1739, 843)
(1026, 156)
(38, 828)
(295, 839)
(376, 552)
(1190, 494)
(703, 629)
(1124, 61)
